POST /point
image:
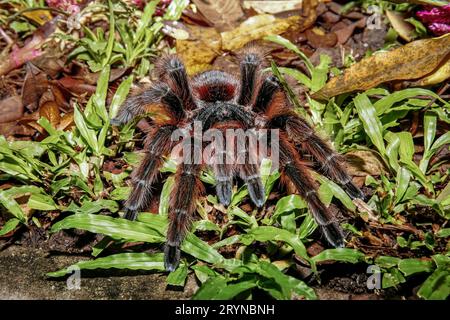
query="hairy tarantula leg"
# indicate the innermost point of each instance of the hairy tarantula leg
(266, 92)
(250, 66)
(147, 172)
(158, 94)
(172, 69)
(296, 172)
(300, 132)
(183, 197)
(250, 174)
(224, 181)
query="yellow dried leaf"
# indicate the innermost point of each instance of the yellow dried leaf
(403, 28)
(411, 61)
(200, 49)
(272, 7)
(254, 28)
(438, 76)
(38, 16)
(50, 111)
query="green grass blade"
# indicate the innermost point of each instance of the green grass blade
(132, 261)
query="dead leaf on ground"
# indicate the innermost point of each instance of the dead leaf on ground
(34, 86)
(50, 111)
(11, 109)
(198, 52)
(404, 29)
(362, 163)
(440, 75)
(411, 61)
(255, 28)
(273, 7)
(222, 14)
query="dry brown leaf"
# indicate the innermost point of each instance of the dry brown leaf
(222, 14)
(50, 111)
(364, 162)
(438, 76)
(403, 28)
(273, 7)
(254, 28)
(198, 52)
(34, 86)
(38, 16)
(66, 122)
(411, 61)
(11, 109)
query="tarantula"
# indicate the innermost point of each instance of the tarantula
(221, 100)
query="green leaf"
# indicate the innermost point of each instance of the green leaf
(372, 125)
(178, 277)
(267, 233)
(120, 96)
(340, 254)
(175, 9)
(337, 192)
(88, 135)
(411, 266)
(9, 226)
(42, 202)
(285, 205)
(403, 177)
(320, 73)
(387, 262)
(165, 196)
(392, 278)
(429, 132)
(116, 228)
(210, 288)
(132, 261)
(89, 207)
(437, 286)
(232, 290)
(201, 250)
(290, 46)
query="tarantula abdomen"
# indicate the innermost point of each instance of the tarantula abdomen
(222, 102)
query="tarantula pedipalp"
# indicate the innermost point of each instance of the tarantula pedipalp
(220, 100)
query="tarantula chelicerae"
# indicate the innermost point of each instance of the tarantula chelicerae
(220, 100)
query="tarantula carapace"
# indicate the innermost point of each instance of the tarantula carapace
(220, 100)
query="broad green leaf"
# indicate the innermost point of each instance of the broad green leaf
(411, 266)
(88, 134)
(267, 233)
(210, 288)
(120, 96)
(387, 262)
(132, 261)
(165, 196)
(392, 278)
(42, 202)
(9, 226)
(429, 132)
(290, 46)
(403, 177)
(116, 228)
(340, 254)
(178, 277)
(437, 286)
(372, 125)
(232, 290)
(201, 250)
(285, 205)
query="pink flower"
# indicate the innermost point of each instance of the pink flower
(70, 6)
(437, 19)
